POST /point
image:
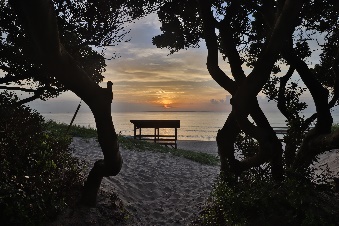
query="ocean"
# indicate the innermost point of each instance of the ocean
(193, 125)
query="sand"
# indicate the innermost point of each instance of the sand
(155, 188)
(209, 147)
(328, 161)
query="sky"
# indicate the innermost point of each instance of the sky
(147, 78)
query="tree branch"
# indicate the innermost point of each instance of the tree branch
(335, 67)
(212, 46)
(9, 79)
(310, 119)
(26, 75)
(231, 51)
(283, 28)
(324, 118)
(4, 68)
(318, 92)
(29, 99)
(269, 13)
(281, 93)
(270, 146)
(17, 88)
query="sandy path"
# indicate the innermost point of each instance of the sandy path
(157, 188)
(209, 147)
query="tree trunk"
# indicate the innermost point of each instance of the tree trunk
(244, 91)
(225, 141)
(40, 24)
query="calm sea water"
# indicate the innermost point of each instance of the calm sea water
(193, 125)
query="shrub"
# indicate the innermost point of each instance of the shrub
(254, 198)
(295, 201)
(335, 127)
(38, 172)
(73, 131)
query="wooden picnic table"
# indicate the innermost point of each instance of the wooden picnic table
(163, 139)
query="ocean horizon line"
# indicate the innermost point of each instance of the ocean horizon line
(169, 111)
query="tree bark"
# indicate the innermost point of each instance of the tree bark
(40, 24)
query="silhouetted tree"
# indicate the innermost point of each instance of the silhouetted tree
(18, 56)
(60, 34)
(85, 28)
(264, 35)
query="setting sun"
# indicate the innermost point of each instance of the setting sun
(166, 103)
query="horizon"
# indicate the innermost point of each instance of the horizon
(64, 105)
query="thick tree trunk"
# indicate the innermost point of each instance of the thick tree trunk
(274, 151)
(244, 101)
(40, 24)
(225, 141)
(244, 90)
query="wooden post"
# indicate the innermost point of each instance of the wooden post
(176, 135)
(75, 114)
(110, 88)
(135, 131)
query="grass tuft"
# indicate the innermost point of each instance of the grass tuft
(335, 127)
(137, 145)
(131, 144)
(74, 131)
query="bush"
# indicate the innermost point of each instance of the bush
(255, 198)
(74, 130)
(335, 127)
(38, 173)
(295, 201)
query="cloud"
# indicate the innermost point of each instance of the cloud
(141, 61)
(221, 101)
(153, 64)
